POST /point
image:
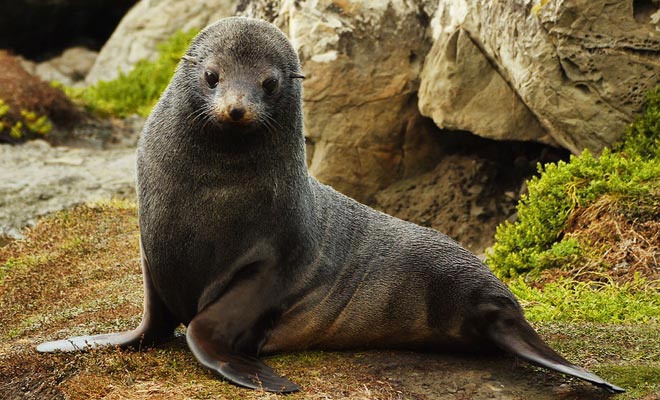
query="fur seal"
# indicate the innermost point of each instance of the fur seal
(254, 255)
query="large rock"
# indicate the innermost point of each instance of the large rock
(362, 60)
(69, 68)
(146, 25)
(572, 71)
(565, 73)
(461, 89)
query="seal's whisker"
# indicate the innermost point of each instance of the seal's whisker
(273, 120)
(198, 114)
(208, 119)
(268, 125)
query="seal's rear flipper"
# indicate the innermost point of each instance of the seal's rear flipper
(239, 369)
(518, 337)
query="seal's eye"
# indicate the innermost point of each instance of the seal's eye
(270, 85)
(211, 79)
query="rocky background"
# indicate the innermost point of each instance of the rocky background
(432, 110)
(436, 111)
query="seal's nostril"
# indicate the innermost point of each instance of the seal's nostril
(237, 114)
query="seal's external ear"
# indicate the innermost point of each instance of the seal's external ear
(190, 59)
(295, 75)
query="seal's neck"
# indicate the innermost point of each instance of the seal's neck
(227, 153)
(260, 148)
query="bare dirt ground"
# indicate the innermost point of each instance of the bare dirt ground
(474, 187)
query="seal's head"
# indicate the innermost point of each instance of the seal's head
(242, 74)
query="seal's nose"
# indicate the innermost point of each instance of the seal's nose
(237, 113)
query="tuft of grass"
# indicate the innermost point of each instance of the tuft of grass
(569, 300)
(25, 262)
(536, 8)
(137, 91)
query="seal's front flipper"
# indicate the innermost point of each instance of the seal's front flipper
(519, 338)
(240, 369)
(80, 343)
(157, 323)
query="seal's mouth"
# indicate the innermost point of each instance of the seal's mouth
(243, 125)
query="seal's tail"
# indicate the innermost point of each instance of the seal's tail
(520, 339)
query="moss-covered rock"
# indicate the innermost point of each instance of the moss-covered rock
(538, 241)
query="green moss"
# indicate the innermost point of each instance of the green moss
(631, 174)
(639, 380)
(137, 91)
(643, 136)
(24, 262)
(568, 300)
(623, 182)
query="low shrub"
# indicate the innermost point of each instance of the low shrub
(137, 91)
(29, 107)
(630, 175)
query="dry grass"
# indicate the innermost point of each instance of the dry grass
(620, 248)
(69, 268)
